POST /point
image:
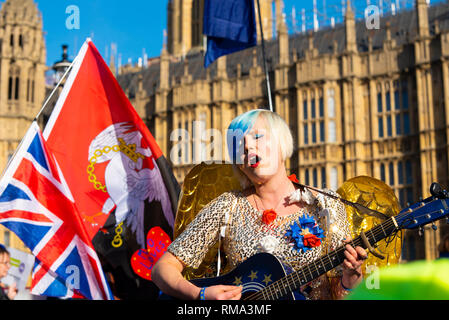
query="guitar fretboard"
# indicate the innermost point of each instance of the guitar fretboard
(312, 271)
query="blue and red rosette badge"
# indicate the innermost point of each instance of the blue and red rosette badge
(305, 234)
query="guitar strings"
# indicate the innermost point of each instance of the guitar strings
(289, 279)
(375, 233)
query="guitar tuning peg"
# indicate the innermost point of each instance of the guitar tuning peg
(447, 220)
(437, 191)
(420, 231)
(434, 227)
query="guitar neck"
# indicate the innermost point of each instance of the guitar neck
(326, 263)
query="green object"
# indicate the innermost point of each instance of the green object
(420, 280)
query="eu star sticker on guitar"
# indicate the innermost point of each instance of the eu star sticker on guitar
(238, 281)
(253, 275)
(267, 279)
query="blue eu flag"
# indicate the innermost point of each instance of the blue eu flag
(230, 26)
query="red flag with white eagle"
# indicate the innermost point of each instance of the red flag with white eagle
(122, 184)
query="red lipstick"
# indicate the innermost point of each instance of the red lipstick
(254, 160)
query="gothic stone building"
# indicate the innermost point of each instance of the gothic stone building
(358, 101)
(22, 81)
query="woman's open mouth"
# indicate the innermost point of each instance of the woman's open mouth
(254, 160)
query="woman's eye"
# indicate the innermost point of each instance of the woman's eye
(257, 136)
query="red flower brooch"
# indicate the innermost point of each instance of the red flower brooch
(268, 216)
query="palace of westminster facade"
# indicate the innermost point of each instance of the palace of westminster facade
(358, 101)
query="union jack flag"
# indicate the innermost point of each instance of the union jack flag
(37, 205)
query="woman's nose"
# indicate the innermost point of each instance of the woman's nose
(249, 143)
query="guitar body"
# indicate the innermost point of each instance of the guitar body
(254, 274)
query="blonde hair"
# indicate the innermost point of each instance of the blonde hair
(277, 126)
(279, 129)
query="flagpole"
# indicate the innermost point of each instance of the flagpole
(54, 89)
(267, 76)
(39, 113)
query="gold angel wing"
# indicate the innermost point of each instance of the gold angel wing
(376, 195)
(202, 184)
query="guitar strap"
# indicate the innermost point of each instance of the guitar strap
(222, 233)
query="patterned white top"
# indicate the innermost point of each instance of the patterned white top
(245, 234)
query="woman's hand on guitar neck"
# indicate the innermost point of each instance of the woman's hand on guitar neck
(352, 265)
(222, 292)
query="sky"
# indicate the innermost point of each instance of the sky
(135, 27)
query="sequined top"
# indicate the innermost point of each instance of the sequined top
(233, 217)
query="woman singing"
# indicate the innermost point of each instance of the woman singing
(272, 214)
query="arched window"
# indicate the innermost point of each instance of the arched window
(334, 178)
(14, 83)
(391, 173)
(16, 88)
(30, 85)
(32, 90)
(10, 87)
(323, 177)
(393, 109)
(313, 116)
(331, 114)
(382, 172)
(197, 20)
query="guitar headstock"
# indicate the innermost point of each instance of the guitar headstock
(426, 211)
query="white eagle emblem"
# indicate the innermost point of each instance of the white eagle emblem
(131, 177)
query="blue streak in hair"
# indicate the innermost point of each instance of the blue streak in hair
(237, 130)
